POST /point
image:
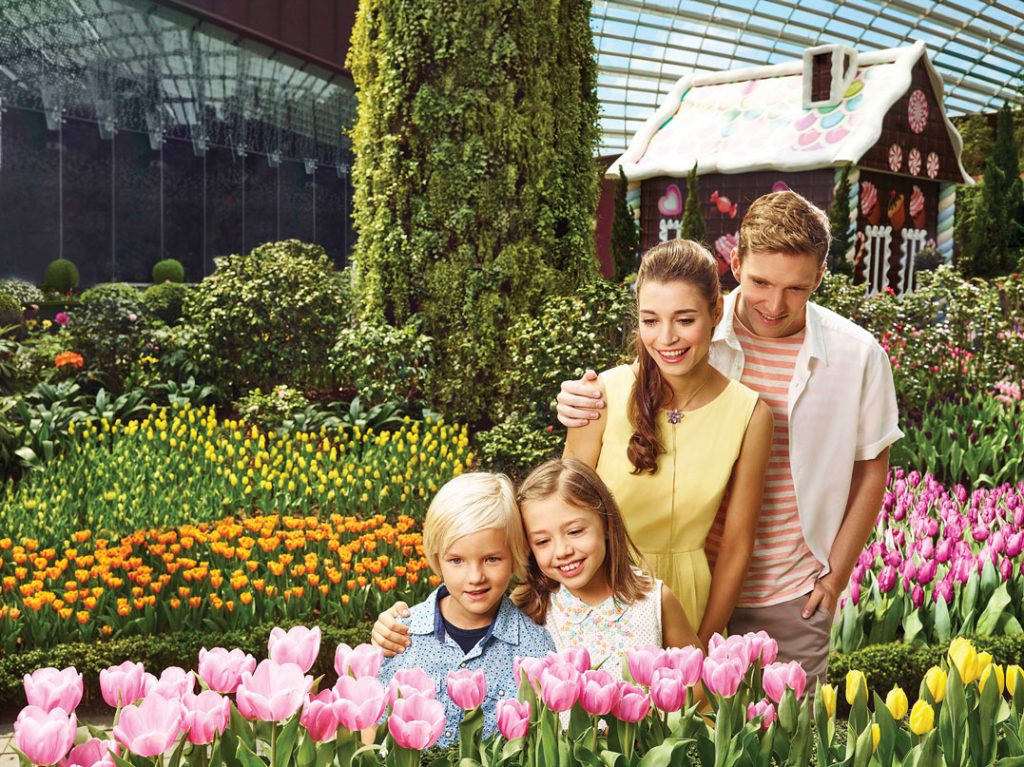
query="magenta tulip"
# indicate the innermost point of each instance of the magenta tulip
(416, 722)
(320, 717)
(174, 682)
(49, 688)
(633, 703)
(780, 676)
(123, 685)
(408, 682)
(688, 660)
(359, 703)
(723, 677)
(598, 692)
(222, 670)
(364, 660)
(560, 686)
(513, 719)
(152, 727)
(467, 688)
(668, 689)
(274, 692)
(299, 645)
(887, 579)
(205, 716)
(644, 660)
(764, 709)
(92, 753)
(926, 572)
(44, 736)
(577, 657)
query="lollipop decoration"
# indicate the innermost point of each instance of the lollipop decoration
(932, 168)
(917, 111)
(895, 158)
(914, 161)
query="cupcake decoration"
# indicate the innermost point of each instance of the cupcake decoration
(932, 166)
(869, 203)
(917, 207)
(895, 158)
(914, 161)
(917, 111)
(896, 211)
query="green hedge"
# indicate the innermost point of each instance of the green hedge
(155, 653)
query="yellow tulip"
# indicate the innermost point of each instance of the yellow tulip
(854, 680)
(828, 697)
(935, 679)
(897, 703)
(876, 735)
(922, 718)
(965, 658)
(1013, 674)
(993, 670)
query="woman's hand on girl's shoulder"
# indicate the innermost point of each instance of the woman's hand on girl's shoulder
(390, 634)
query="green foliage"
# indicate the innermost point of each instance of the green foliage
(268, 318)
(693, 227)
(25, 292)
(588, 329)
(165, 301)
(384, 363)
(968, 201)
(158, 652)
(109, 331)
(978, 138)
(270, 408)
(997, 234)
(475, 185)
(61, 276)
(839, 223)
(168, 270)
(9, 304)
(625, 233)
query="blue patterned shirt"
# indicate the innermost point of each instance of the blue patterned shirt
(510, 635)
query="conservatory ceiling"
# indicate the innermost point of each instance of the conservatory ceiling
(645, 46)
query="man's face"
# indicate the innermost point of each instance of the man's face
(775, 289)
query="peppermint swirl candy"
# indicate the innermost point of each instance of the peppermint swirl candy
(932, 167)
(917, 111)
(895, 158)
(914, 161)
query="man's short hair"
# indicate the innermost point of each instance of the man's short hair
(785, 222)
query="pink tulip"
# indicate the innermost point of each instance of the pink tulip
(688, 660)
(560, 686)
(364, 660)
(780, 676)
(222, 670)
(723, 677)
(513, 719)
(467, 688)
(174, 682)
(299, 645)
(49, 688)
(92, 753)
(44, 736)
(416, 722)
(123, 685)
(532, 667)
(577, 657)
(150, 728)
(274, 692)
(320, 717)
(644, 660)
(762, 709)
(359, 703)
(205, 715)
(633, 703)
(668, 689)
(408, 682)
(598, 692)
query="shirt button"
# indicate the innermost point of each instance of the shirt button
(462, 665)
(447, 733)
(501, 693)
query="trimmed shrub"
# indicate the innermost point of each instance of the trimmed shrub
(109, 331)
(25, 292)
(268, 318)
(165, 301)
(382, 363)
(168, 270)
(60, 276)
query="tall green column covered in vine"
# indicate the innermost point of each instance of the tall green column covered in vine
(476, 187)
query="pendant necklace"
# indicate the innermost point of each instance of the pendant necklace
(675, 415)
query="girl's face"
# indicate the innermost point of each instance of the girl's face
(569, 546)
(676, 325)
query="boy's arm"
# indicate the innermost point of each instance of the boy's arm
(580, 402)
(867, 487)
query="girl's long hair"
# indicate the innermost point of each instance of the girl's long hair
(580, 486)
(673, 261)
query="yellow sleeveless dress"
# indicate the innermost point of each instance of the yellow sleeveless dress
(668, 514)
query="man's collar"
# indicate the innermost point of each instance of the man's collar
(814, 338)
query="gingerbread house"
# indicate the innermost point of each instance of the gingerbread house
(794, 126)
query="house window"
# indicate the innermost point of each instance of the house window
(821, 77)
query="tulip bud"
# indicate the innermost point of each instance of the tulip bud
(922, 718)
(828, 697)
(467, 688)
(935, 680)
(513, 719)
(855, 680)
(897, 703)
(876, 735)
(1013, 674)
(965, 658)
(764, 709)
(993, 670)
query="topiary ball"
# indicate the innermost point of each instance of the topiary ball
(168, 270)
(60, 276)
(164, 300)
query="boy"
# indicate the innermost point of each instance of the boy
(473, 539)
(830, 388)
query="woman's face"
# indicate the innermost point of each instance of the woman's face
(676, 325)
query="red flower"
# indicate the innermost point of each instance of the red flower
(73, 359)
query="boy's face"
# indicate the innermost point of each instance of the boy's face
(775, 289)
(476, 570)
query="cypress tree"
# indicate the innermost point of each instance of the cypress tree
(839, 222)
(693, 220)
(475, 184)
(625, 235)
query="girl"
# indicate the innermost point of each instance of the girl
(681, 441)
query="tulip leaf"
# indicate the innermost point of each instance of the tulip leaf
(851, 632)
(912, 626)
(996, 604)
(887, 732)
(241, 728)
(216, 760)
(245, 756)
(661, 755)
(942, 627)
(969, 596)
(176, 756)
(120, 761)
(306, 756)
(1009, 761)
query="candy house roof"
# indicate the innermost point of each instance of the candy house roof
(754, 119)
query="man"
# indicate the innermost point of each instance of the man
(830, 388)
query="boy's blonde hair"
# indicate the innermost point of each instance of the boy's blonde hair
(785, 222)
(471, 503)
